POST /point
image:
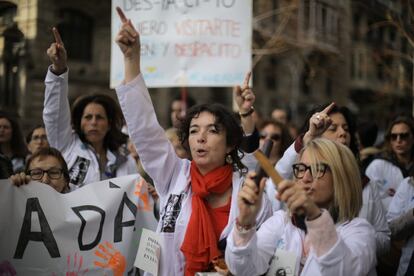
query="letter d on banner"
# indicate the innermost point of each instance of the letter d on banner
(78, 210)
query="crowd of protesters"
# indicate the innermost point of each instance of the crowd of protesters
(345, 206)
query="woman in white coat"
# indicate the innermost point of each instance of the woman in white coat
(400, 217)
(327, 239)
(198, 198)
(337, 124)
(94, 148)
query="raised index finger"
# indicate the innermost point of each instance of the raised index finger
(56, 34)
(328, 109)
(121, 14)
(247, 79)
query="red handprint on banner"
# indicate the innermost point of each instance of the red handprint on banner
(7, 269)
(110, 258)
(75, 266)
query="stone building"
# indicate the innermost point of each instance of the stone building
(381, 60)
(87, 36)
(303, 49)
(305, 52)
(314, 51)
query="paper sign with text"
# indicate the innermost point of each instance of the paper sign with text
(187, 42)
(94, 230)
(148, 256)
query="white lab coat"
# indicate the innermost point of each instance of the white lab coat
(402, 202)
(81, 158)
(171, 175)
(353, 253)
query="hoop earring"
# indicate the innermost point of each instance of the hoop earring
(229, 159)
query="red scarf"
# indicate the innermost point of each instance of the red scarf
(200, 242)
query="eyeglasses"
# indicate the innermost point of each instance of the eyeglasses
(274, 137)
(299, 170)
(53, 173)
(39, 137)
(403, 136)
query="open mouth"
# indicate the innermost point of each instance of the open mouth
(201, 152)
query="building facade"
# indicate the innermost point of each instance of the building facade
(306, 52)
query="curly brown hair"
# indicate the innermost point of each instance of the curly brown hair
(224, 118)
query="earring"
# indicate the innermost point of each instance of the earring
(229, 159)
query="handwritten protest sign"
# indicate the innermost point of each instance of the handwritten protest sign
(187, 42)
(94, 230)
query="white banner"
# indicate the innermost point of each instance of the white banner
(187, 42)
(94, 230)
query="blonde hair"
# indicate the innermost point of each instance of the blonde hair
(346, 178)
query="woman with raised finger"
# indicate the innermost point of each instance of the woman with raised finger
(198, 197)
(337, 123)
(327, 238)
(94, 148)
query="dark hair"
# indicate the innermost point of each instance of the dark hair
(367, 132)
(30, 133)
(224, 118)
(349, 118)
(285, 109)
(286, 139)
(189, 101)
(49, 151)
(398, 120)
(17, 144)
(114, 138)
(6, 167)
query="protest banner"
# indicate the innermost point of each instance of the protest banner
(187, 42)
(94, 230)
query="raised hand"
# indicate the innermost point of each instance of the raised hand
(318, 123)
(128, 41)
(20, 179)
(57, 54)
(249, 200)
(296, 199)
(244, 95)
(128, 37)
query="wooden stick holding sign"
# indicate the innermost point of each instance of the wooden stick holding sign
(267, 167)
(272, 173)
(266, 149)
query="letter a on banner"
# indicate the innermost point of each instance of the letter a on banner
(45, 235)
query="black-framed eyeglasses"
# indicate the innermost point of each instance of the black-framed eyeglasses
(299, 170)
(274, 137)
(403, 136)
(53, 173)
